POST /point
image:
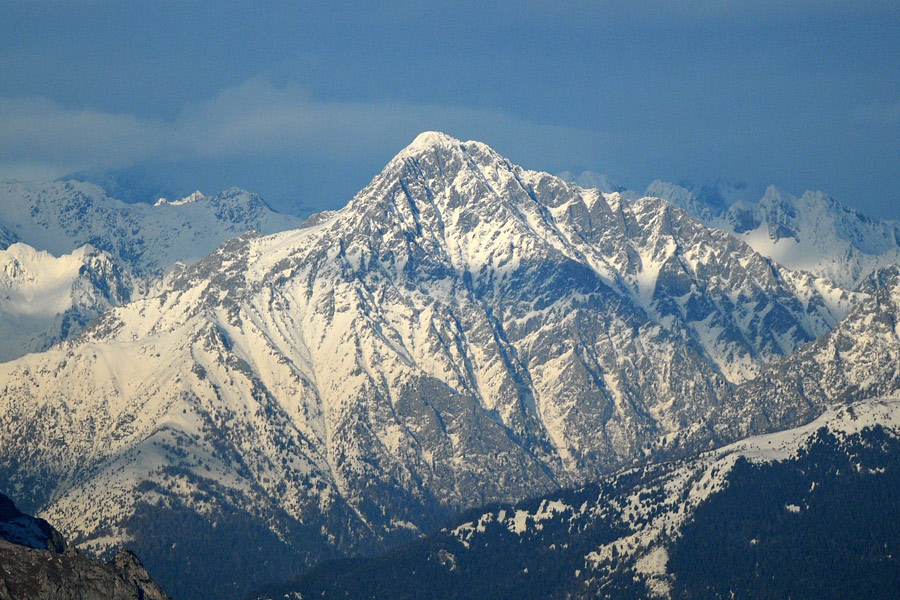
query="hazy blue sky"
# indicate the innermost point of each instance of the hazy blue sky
(305, 102)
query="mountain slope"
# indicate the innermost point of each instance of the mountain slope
(808, 512)
(50, 295)
(463, 332)
(860, 358)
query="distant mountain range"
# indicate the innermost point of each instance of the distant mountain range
(812, 233)
(463, 332)
(70, 251)
(60, 217)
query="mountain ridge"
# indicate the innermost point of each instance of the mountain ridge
(813, 232)
(79, 225)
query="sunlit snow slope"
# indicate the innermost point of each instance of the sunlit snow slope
(45, 299)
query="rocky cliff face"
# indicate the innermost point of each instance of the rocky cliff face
(859, 359)
(36, 563)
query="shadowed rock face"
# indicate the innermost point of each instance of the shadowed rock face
(37, 563)
(18, 528)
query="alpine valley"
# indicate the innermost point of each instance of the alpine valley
(463, 333)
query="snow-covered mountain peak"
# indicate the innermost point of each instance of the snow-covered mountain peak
(432, 182)
(429, 140)
(673, 193)
(428, 143)
(775, 195)
(196, 196)
(669, 191)
(681, 197)
(814, 232)
(437, 144)
(468, 208)
(235, 196)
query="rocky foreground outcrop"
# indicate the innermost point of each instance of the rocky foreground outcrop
(36, 563)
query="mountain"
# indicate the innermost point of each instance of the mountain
(61, 216)
(464, 331)
(38, 564)
(812, 233)
(804, 513)
(45, 299)
(704, 202)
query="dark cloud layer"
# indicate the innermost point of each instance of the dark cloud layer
(304, 102)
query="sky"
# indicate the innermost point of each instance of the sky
(305, 102)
